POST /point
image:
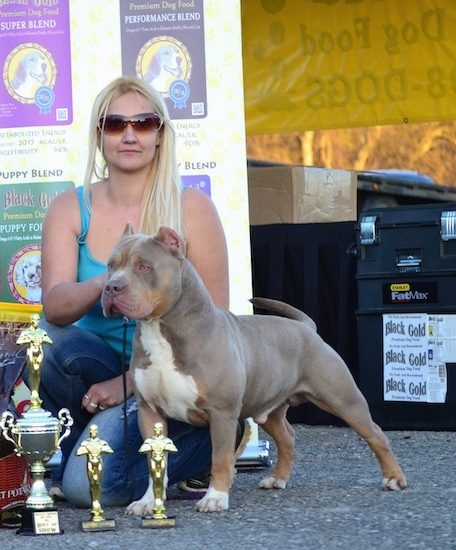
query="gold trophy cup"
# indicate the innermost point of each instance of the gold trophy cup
(36, 436)
(158, 447)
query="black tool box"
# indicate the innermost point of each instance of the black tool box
(406, 281)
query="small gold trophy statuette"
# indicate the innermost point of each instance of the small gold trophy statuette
(35, 337)
(158, 447)
(36, 436)
(94, 447)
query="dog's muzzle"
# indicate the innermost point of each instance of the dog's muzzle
(113, 289)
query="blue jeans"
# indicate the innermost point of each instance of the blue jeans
(76, 360)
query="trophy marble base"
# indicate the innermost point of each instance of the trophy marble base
(103, 525)
(159, 523)
(40, 522)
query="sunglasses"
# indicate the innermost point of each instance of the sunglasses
(143, 123)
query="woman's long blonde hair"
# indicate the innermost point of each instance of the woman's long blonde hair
(162, 199)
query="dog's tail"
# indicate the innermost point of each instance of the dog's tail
(283, 309)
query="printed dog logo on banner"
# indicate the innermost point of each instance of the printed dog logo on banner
(163, 60)
(28, 67)
(24, 275)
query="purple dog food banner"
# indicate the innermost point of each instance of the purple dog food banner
(35, 57)
(163, 43)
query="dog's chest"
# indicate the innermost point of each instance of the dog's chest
(160, 382)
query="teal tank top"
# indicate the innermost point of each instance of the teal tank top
(111, 329)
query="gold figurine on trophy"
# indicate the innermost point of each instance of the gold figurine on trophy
(35, 337)
(94, 447)
(158, 446)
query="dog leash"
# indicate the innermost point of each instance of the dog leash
(125, 419)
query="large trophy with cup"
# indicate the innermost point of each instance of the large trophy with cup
(36, 436)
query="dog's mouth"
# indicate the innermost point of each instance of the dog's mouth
(173, 70)
(110, 309)
(114, 311)
(114, 307)
(40, 77)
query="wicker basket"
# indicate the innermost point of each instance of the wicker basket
(15, 484)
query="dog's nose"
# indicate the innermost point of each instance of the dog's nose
(113, 287)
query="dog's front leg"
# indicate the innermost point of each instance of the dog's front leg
(223, 436)
(145, 505)
(147, 419)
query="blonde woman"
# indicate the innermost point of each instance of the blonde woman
(132, 158)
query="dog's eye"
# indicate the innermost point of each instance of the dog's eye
(144, 267)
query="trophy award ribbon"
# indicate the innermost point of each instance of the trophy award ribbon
(158, 447)
(36, 436)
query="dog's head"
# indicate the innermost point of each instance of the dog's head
(166, 62)
(33, 65)
(28, 271)
(144, 275)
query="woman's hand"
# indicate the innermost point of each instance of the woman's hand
(106, 394)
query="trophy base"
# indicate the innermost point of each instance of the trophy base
(40, 522)
(104, 525)
(158, 523)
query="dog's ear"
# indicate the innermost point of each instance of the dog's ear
(128, 230)
(154, 66)
(20, 74)
(171, 239)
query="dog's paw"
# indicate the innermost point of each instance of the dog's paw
(213, 501)
(273, 483)
(141, 508)
(394, 484)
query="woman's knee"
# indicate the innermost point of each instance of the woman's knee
(75, 483)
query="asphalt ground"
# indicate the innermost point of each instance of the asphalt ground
(334, 500)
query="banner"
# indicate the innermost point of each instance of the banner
(165, 47)
(321, 64)
(56, 55)
(416, 350)
(24, 207)
(37, 66)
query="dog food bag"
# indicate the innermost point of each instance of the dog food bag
(15, 478)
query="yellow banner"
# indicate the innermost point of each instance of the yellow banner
(320, 64)
(18, 313)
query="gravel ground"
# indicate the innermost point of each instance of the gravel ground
(334, 500)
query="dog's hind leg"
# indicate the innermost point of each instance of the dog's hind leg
(393, 476)
(278, 427)
(354, 410)
(330, 386)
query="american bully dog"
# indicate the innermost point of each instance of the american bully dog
(201, 364)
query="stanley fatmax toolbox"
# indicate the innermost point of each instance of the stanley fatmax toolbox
(406, 316)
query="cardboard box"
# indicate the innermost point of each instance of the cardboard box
(301, 194)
